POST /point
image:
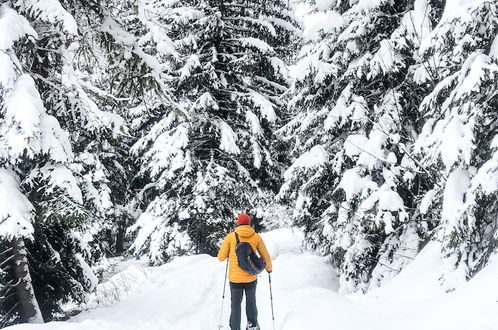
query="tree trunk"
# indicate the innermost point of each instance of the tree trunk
(120, 238)
(29, 309)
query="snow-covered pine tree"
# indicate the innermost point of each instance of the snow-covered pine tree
(136, 51)
(63, 144)
(35, 157)
(354, 181)
(206, 155)
(458, 143)
(119, 69)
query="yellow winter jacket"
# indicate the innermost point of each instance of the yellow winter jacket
(246, 234)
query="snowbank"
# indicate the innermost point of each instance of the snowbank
(415, 300)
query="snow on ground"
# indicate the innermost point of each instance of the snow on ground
(185, 294)
(415, 299)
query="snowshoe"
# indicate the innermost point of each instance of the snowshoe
(256, 327)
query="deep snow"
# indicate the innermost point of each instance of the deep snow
(186, 294)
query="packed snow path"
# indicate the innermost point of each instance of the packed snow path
(185, 294)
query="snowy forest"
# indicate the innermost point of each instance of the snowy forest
(140, 129)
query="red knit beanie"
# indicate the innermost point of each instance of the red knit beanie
(243, 219)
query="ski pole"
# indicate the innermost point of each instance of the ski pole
(220, 325)
(271, 300)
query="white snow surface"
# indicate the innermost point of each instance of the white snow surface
(390, 201)
(493, 52)
(456, 8)
(314, 158)
(29, 128)
(51, 11)
(187, 293)
(427, 201)
(324, 4)
(454, 196)
(258, 44)
(15, 209)
(265, 106)
(13, 27)
(366, 5)
(7, 71)
(353, 183)
(228, 139)
(321, 22)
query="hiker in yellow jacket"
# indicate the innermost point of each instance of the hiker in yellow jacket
(240, 280)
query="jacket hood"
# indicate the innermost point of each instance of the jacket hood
(245, 231)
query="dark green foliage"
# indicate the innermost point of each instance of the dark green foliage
(208, 152)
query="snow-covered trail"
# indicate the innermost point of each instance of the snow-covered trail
(185, 294)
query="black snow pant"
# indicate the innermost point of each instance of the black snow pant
(237, 291)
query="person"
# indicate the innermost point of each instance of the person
(240, 280)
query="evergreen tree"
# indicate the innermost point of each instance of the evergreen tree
(206, 153)
(120, 76)
(354, 182)
(35, 159)
(61, 145)
(458, 141)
